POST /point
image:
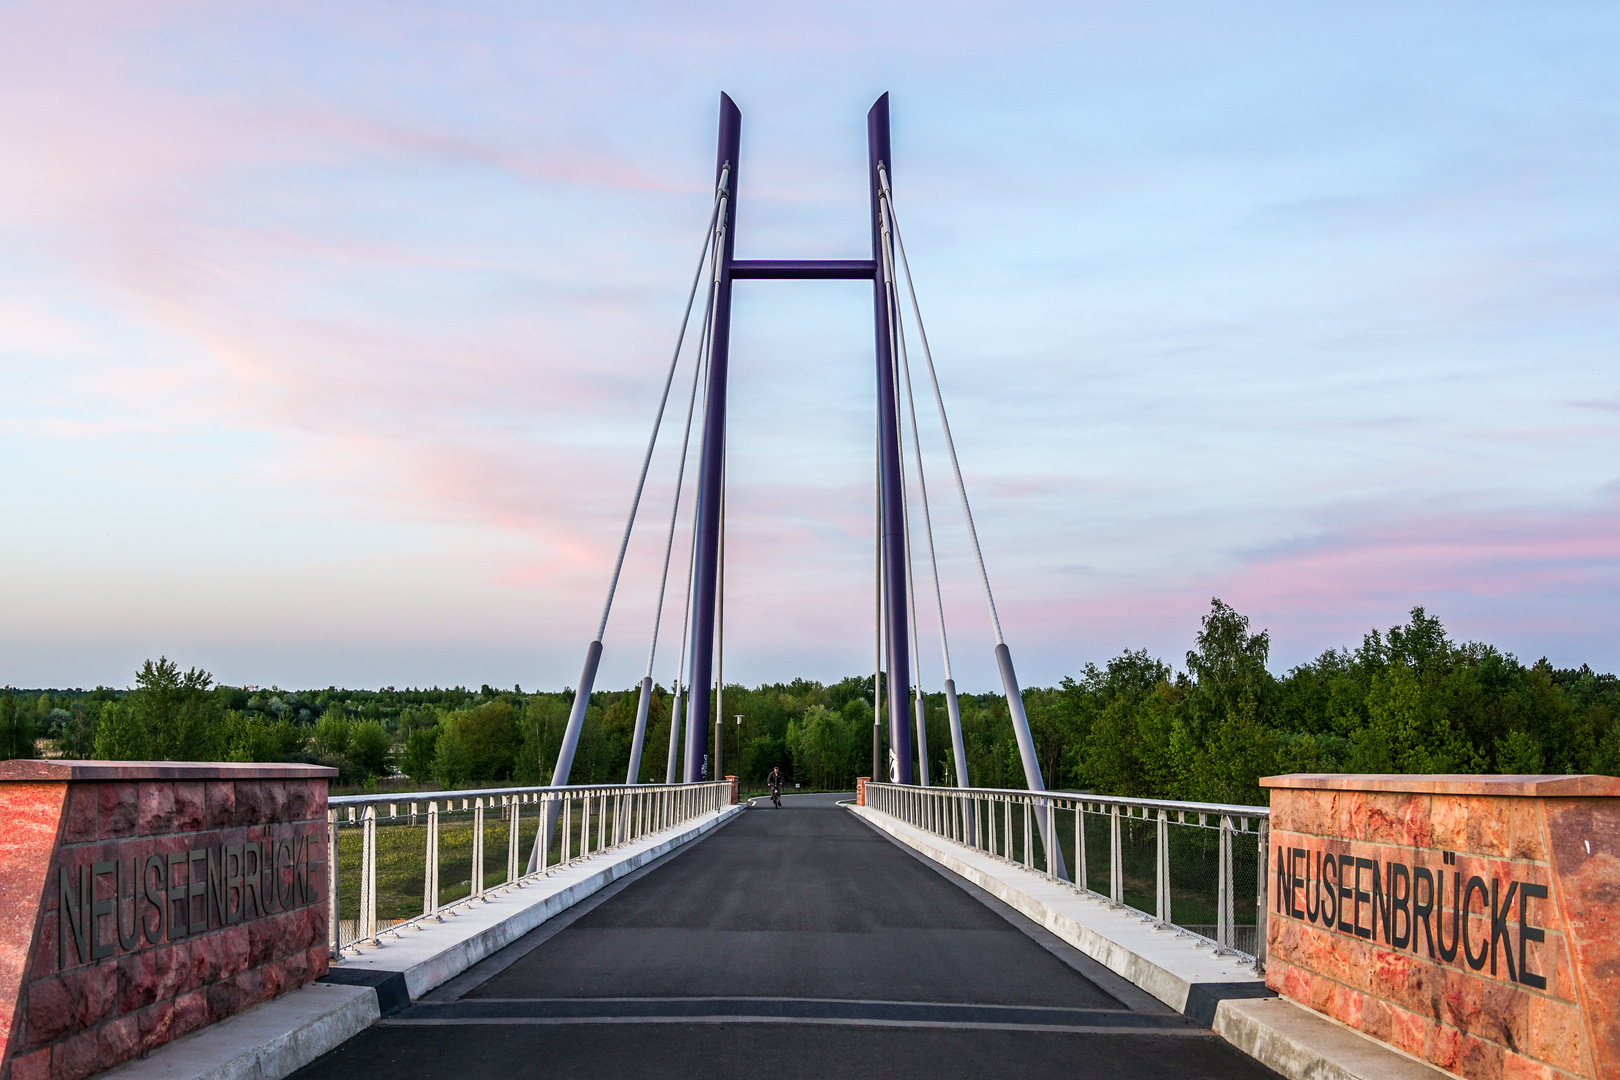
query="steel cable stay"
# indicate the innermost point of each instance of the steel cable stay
(593, 652)
(897, 333)
(686, 605)
(1009, 678)
(669, 545)
(953, 713)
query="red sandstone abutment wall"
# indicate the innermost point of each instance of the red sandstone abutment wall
(1471, 921)
(140, 901)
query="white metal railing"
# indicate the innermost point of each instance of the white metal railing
(1201, 854)
(407, 836)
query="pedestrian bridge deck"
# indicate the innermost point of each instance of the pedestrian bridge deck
(793, 943)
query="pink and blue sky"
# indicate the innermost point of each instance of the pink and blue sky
(330, 333)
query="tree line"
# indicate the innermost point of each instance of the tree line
(1409, 700)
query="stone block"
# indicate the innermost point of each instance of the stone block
(1525, 837)
(156, 1024)
(76, 1057)
(156, 812)
(1556, 1035)
(206, 961)
(1519, 1067)
(188, 806)
(1487, 826)
(32, 1066)
(117, 809)
(1478, 1059)
(296, 800)
(1408, 1031)
(83, 821)
(50, 1011)
(318, 960)
(219, 804)
(119, 1040)
(190, 1013)
(249, 804)
(234, 947)
(152, 974)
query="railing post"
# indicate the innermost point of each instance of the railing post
(1029, 846)
(1162, 870)
(1081, 878)
(540, 839)
(368, 879)
(1224, 932)
(430, 881)
(514, 820)
(478, 849)
(568, 828)
(1050, 834)
(1261, 902)
(1116, 861)
(333, 948)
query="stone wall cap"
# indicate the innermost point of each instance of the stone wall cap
(60, 769)
(1585, 785)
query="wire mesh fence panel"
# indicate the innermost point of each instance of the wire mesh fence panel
(455, 855)
(1195, 877)
(1013, 815)
(401, 867)
(1097, 851)
(529, 817)
(1245, 870)
(497, 833)
(350, 853)
(1139, 843)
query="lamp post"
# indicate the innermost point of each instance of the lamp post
(739, 742)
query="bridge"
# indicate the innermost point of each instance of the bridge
(165, 919)
(795, 943)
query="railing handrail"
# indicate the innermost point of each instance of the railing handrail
(620, 814)
(969, 817)
(482, 793)
(1229, 809)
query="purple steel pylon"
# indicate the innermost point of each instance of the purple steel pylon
(713, 443)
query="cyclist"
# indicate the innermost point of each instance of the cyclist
(774, 782)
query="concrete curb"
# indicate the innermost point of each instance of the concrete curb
(277, 1038)
(266, 1042)
(1217, 991)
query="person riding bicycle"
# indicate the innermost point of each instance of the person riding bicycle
(774, 782)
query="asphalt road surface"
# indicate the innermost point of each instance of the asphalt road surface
(788, 943)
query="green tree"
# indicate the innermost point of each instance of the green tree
(333, 733)
(421, 745)
(1221, 738)
(490, 734)
(176, 710)
(452, 763)
(369, 747)
(16, 728)
(121, 734)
